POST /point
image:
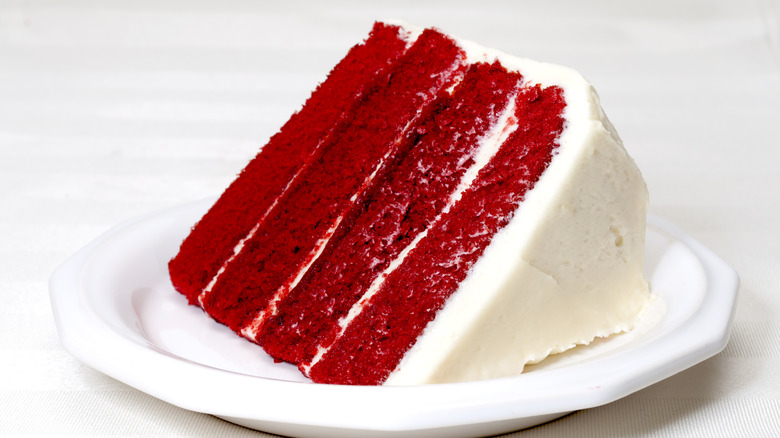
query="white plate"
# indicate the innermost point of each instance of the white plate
(117, 312)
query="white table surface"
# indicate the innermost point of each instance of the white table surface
(109, 110)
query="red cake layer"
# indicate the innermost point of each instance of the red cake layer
(390, 215)
(290, 236)
(412, 294)
(241, 206)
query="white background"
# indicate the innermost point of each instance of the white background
(109, 110)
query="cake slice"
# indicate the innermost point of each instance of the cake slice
(456, 214)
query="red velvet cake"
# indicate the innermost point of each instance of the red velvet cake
(435, 212)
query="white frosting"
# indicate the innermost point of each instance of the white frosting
(566, 269)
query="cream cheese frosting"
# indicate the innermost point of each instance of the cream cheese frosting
(568, 267)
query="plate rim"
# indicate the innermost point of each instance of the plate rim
(82, 332)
